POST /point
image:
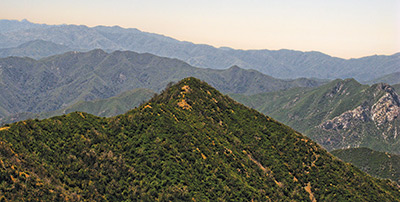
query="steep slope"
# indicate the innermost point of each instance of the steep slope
(279, 63)
(188, 143)
(379, 164)
(340, 114)
(56, 82)
(35, 49)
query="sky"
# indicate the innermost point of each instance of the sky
(341, 28)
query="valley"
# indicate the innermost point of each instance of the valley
(107, 113)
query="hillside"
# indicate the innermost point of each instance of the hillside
(277, 63)
(340, 114)
(378, 164)
(111, 106)
(397, 87)
(108, 107)
(34, 49)
(188, 143)
(56, 82)
(393, 78)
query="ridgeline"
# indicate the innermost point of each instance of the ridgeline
(189, 143)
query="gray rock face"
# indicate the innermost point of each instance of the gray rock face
(385, 110)
(348, 119)
(340, 114)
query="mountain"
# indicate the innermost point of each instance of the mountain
(108, 107)
(111, 106)
(379, 164)
(190, 143)
(277, 63)
(393, 78)
(15, 25)
(35, 49)
(56, 82)
(337, 115)
(397, 87)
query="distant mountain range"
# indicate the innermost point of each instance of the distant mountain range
(190, 143)
(393, 78)
(280, 63)
(108, 107)
(35, 49)
(340, 114)
(56, 82)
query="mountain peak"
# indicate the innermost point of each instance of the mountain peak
(188, 143)
(387, 108)
(25, 20)
(189, 94)
(235, 68)
(383, 86)
(347, 82)
(341, 87)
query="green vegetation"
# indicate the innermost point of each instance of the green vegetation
(190, 143)
(53, 83)
(340, 114)
(103, 107)
(378, 164)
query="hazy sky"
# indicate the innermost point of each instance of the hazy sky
(343, 28)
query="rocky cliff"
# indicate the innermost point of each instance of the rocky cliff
(341, 114)
(385, 110)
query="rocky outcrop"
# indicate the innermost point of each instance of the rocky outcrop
(388, 106)
(340, 88)
(348, 119)
(385, 110)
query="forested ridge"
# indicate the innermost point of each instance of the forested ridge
(189, 143)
